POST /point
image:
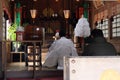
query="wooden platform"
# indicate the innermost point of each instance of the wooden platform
(18, 71)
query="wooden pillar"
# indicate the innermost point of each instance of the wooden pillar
(1, 34)
(1, 22)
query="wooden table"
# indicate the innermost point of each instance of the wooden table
(20, 53)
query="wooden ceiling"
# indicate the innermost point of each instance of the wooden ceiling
(40, 5)
(46, 8)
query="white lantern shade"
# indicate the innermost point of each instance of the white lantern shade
(33, 13)
(66, 13)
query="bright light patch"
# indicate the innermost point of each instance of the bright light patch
(110, 74)
(37, 29)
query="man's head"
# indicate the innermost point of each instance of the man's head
(62, 33)
(97, 33)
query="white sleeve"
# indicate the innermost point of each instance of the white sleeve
(51, 60)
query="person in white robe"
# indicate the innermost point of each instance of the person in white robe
(60, 48)
(82, 28)
(81, 31)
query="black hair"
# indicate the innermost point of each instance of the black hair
(62, 33)
(97, 33)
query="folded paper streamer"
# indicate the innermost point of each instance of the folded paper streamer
(20, 28)
(82, 28)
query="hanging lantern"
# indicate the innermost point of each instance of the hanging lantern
(33, 13)
(56, 0)
(66, 14)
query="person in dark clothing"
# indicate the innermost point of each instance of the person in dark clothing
(99, 46)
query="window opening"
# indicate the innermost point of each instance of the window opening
(116, 26)
(104, 27)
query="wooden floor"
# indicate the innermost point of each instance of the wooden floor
(16, 66)
(18, 71)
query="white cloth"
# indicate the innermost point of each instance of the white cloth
(57, 35)
(60, 48)
(82, 28)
